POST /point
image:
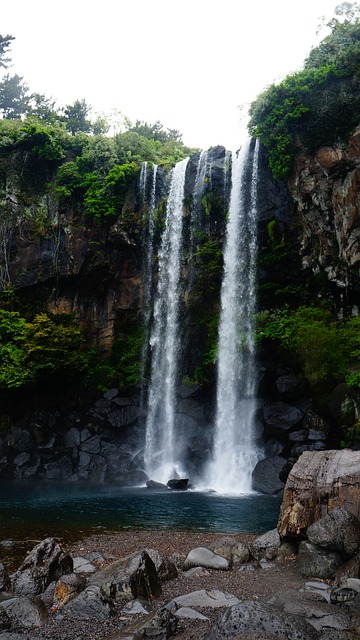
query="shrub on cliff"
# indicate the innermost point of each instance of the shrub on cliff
(316, 106)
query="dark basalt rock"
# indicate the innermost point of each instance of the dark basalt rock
(178, 484)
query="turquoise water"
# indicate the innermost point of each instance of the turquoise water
(32, 512)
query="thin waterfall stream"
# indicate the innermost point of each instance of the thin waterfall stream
(160, 457)
(235, 452)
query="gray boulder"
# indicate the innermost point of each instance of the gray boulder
(338, 531)
(165, 568)
(90, 603)
(46, 563)
(127, 578)
(266, 475)
(160, 626)
(316, 562)
(206, 598)
(280, 417)
(67, 587)
(25, 612)
(234, 551)
(202, 557)
(266, 545)
(259, 618)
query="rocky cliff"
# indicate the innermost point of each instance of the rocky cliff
(308, 244)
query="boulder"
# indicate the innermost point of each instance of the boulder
(266, 545)
(152, 484)
(266, 475)
(90, 603)
(178, 484)
(127, 577)
(258, 618)
(25, 612)
(234, 551)
(317, 483)
(290, 386)
(338, 531)
(166, 568)
(202, 557)
(159, 626)
(207, 598)
(316, 562)
(68, 587)
(280, 417)
(144, 581)
(44, 564)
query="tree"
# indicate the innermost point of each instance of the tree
(101, 126)
(155, 131)
(14, 98)
(5, 43)
(42, 108)
(76, 117)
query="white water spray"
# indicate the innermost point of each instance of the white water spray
(148, 248)
(235, 453)
(160, 455)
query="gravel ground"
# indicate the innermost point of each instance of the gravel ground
(252, 582)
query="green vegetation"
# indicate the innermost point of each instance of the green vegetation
(327, 350)
(33, 351)
(318, 105)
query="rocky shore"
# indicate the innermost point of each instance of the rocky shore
(261, 573)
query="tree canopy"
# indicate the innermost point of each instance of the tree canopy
(318, 105)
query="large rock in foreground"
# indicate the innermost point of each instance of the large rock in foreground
(319, 482)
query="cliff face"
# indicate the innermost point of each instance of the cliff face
(326, 190)
(98, 272)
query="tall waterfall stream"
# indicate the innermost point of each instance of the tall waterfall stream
(234, 453)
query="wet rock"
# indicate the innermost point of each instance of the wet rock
(259, 618)
(266, 475)
(338, 531)
(178, 484)
(152, 484)
(202, 557)
(316, 562)
(44, 564)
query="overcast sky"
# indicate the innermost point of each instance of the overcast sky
(189, 64)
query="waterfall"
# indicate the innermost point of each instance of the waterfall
(148, 249)
(160, 455)
(235, 453)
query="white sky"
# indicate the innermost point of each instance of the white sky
(189, 63)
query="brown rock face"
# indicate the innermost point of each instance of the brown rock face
(326, 188)
(319, 482)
